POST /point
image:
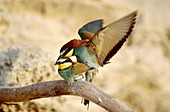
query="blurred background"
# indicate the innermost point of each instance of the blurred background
(33, 31)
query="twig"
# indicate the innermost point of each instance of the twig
(80, 88)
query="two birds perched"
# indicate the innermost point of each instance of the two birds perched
(97, 46)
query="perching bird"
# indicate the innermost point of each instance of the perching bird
(98, 45)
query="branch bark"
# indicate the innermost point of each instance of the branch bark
(83, 89)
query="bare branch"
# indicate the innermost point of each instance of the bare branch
(83, 89)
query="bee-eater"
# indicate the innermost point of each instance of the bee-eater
(97, 46)
(70, 68)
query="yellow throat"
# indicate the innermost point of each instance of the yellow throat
(64, 65)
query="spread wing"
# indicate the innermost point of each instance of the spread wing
(107, 41)
(79, 68)
(88, 30)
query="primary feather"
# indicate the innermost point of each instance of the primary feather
(107, 41)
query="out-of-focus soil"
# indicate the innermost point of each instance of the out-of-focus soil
(32, 33)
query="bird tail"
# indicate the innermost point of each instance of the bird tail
(89, 77)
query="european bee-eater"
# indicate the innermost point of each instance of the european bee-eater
(97, 46)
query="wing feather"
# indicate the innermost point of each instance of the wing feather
(108, 40)
(79, 68)
(89, 30)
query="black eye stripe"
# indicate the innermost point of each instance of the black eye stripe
(67, 60)
(68, 50)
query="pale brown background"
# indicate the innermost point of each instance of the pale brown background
(33, 31)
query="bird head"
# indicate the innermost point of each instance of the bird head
(64, 59)
(64, 67)
(65, 62)
(67, 50)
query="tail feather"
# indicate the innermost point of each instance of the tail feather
(89, 77)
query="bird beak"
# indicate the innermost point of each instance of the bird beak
(58, 61)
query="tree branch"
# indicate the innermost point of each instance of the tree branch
(83, 89)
